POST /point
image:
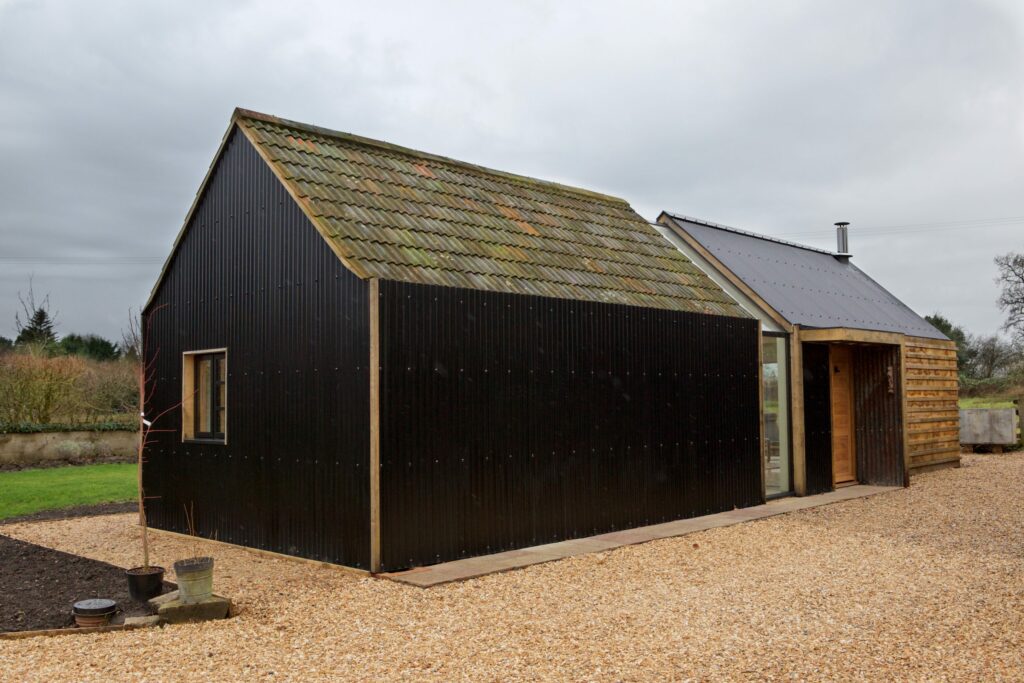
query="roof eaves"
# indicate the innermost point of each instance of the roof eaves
(675, 220)
(188, 216)
(899, 301)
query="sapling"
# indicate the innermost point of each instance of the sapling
(147, 383)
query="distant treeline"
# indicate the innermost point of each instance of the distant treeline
(77, 380)
(993, 364)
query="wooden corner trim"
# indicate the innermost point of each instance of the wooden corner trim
(796, 403)
(374, 307)
(904, 413)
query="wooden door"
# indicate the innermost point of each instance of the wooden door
(844, 460)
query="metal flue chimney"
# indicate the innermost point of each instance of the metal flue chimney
(843, 240)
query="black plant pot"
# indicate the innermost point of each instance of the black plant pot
(145, 582)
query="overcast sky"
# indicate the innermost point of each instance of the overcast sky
(906, 119)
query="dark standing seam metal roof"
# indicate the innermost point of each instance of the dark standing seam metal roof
(807, 286)
(400, 214)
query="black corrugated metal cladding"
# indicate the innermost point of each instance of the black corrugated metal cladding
(878, 409)
(254, 276)
(509, 420)
(817, 418)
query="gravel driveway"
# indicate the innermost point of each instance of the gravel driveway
(925, 583)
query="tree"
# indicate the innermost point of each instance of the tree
(89, 345)
(957, 334)
(990, 357)
(131, 338)
(5, 344)
(1011, 298)
(37, 330)
(38, 327)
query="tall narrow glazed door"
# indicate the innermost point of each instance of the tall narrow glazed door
(844, 461)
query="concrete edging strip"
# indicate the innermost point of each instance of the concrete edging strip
(474, 567)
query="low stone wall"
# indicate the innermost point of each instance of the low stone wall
(18, 451)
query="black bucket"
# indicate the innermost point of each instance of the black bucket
(93, 612)
(145, 583)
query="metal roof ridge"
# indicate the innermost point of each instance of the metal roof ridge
(580, 192)
(747, 233)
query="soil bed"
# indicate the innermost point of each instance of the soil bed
(39, 585)
(76, 511)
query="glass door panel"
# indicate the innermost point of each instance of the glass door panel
(775, 375)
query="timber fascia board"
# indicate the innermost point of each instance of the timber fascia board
(848, 334)
(668, 221)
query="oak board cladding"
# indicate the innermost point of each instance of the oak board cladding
(252, 275)
(933, 417)
(509, 420)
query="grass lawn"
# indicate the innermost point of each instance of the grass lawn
(985, 402)
(28, 491)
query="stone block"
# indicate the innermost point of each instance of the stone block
(164, 598)
(176, 612)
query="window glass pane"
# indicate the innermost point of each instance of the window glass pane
(222, 393)
(204, 385)
(775, 369)
(222, 389)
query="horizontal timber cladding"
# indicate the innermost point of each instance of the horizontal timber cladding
(878, 410)
(253, 276)
(817, 418)
(509, 420)
(933, 416)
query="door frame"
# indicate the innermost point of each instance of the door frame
(852, 411)
(786, 362)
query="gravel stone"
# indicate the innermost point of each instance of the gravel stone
(925, 583)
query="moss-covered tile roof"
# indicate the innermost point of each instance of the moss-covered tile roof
(399, 214)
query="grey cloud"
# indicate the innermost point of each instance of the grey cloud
(775, 117)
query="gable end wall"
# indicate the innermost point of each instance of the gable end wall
(253, 275)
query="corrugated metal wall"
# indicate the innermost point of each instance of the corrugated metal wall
(817, 418)
(253, 275)
(878, 431)
(510, 421)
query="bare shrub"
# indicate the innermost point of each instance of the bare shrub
(38, 389)
(35, 388)
(106, 388)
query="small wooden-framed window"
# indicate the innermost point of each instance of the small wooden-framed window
(204, 388)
